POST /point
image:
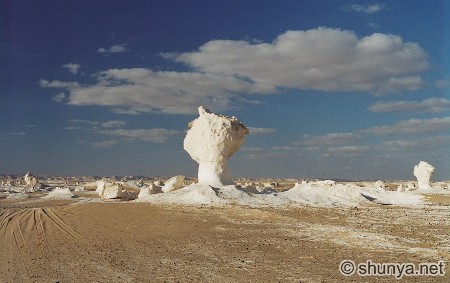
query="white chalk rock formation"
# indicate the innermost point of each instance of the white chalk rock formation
(112, 191)
(131, 185)
(30, 180)
(423, 172)
(173, 184)
(147, 191)
(210, 141)
(100, 187)
(380, 184)
(17, 196)
(60, 193)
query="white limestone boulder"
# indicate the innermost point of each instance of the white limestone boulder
(31, 181)
(100, 187)
(113, 191)
(60, 193)
(173, 184)
(423, 172)
(17, 196)
(210, 141)
(131, 185)
(380, 185)
(150, 190)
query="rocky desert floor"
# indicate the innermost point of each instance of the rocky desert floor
(86, 240)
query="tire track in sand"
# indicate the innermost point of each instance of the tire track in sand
(15, 247)
(54, 219)
(25, 240)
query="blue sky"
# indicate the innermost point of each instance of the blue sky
(329, 89)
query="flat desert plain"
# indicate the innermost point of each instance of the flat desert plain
(86, 240)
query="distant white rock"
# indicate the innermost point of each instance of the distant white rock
(17, 196)
(410, 186)
(79, 189)
(112, 191)
(310, 194)
(30, 180)
(345, 195)
(100, 187)
(423, 172)
(60, 193)
(173, 184)
(131, 185)
(380, 184)
(150, 190)
(324, 183)
(210, 141)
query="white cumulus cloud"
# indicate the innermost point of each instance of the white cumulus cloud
(73, 68)
(96, 124)
(119, 48)
(321, 59)
(58, 84)
(225, 73)
(367, 8)
(329, 139)
(430, 105)
(261, 131)
(104, 144)
(60, 97)
(143, 90)
(151, 135)
(413, 126)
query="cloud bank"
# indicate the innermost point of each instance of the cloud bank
(430, 105)
(114, 128)
(413, 126)
(143, 90)
(227, 73)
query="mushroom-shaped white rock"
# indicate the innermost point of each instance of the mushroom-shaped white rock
(423, 172)
(210, 141)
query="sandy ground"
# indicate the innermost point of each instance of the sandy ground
(65, 241)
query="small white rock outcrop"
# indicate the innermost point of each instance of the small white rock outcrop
(31, 181)
(112, 191)
(380, 185)
(210, 141)
(150, 190)
(60, 193)
(100, 187)
(173, 184)
(423, 172)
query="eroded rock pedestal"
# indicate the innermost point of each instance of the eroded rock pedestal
(210, 141)
(30, 180)
(423, 172)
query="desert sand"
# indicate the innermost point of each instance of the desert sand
(88, 240)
